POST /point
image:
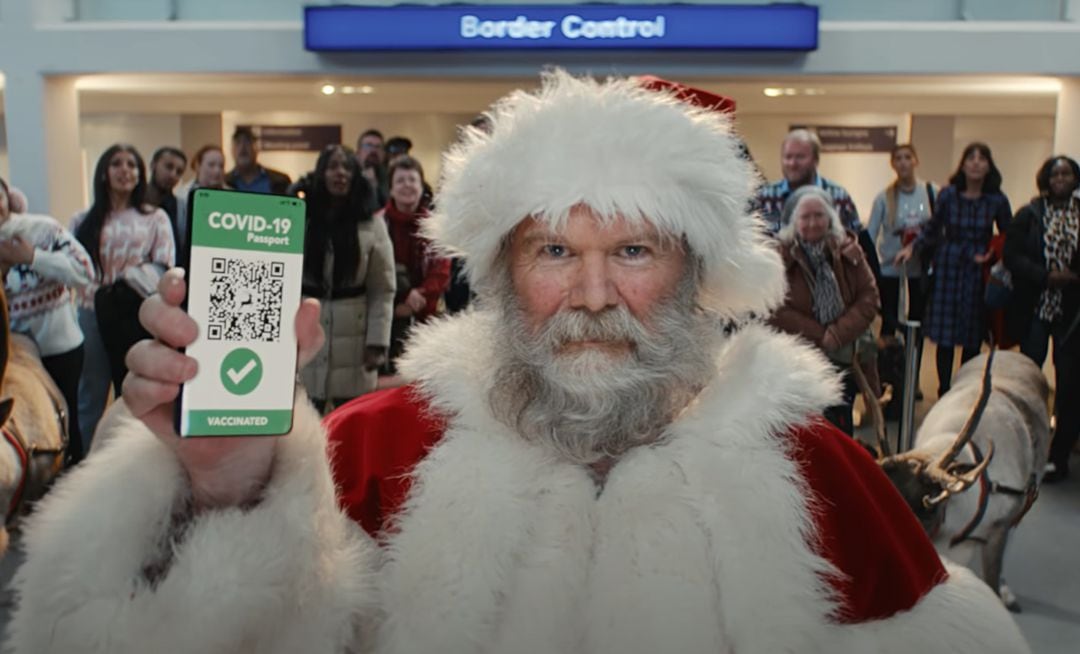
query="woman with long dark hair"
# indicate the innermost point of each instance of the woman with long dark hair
(958, 234)
(131, 245)
(1042, 251)
(349, 265)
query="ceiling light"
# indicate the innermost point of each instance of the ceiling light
(348, 90)
(366, 90)
(328, 89)
(790, 91)
(773, 92)
(814, 91)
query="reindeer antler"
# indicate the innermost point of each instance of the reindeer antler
(968, 431)
(873, 403)
(953, 483)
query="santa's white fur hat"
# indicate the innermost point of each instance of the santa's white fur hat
(622, 150)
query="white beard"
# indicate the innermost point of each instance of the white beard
(594, 403)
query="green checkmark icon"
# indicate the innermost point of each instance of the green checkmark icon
(241, 371)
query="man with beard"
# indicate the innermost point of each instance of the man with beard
(166, 168)
(584, 463)
(371, 155)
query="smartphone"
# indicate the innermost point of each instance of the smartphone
(244, 259)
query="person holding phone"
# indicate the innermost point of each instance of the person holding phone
(131, 245)
(349, 265)
(584, 462)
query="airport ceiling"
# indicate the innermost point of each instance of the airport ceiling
(996, 95)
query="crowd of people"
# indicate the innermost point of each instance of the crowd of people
(76, 290)
(924, 255)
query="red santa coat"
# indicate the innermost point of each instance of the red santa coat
(863, 527)
(753, 528)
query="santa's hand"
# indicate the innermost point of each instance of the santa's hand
(223, 471)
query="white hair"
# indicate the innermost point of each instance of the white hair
(587, 406)
(792, 207)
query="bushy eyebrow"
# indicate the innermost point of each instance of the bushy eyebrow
(546, 236)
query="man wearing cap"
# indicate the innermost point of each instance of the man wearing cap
(585, 463)
(248, 175)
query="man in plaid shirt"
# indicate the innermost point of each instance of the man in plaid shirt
(799, 157)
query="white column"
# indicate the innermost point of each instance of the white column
(42, 117)
(1067, 128)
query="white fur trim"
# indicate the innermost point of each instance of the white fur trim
(701, 544)
(502, 548)
(290, 575)
(960, 616)
(622, 150)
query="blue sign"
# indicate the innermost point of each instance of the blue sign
(350, 28)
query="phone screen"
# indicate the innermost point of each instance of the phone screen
(244, 270)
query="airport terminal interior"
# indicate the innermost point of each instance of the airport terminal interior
(78, 76)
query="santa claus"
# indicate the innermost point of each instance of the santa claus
(586, 463)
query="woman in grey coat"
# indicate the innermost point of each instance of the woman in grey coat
(349, 267)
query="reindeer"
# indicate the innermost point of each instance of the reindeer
(974, 472)
(33, 422)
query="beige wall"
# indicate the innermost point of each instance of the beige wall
(430, 134)
(197, 130)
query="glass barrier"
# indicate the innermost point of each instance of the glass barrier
(837, 10)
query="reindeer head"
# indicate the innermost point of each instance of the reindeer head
(927, 480)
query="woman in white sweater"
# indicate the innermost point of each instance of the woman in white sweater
(131, 245)
(41, 262)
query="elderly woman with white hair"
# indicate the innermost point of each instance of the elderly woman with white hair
(832, 297)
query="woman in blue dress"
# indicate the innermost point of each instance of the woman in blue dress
(958, 235)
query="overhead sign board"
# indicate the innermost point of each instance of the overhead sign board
(351, 28)
(299, 138)
(847, 138)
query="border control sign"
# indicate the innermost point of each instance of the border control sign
(791, 27)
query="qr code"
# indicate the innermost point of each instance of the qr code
(245, 300)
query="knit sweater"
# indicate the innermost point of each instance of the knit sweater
(39, 292)
(136, 247)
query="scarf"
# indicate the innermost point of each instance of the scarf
(1061, 232)
(827, 302)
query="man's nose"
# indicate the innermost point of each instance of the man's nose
(594, 287)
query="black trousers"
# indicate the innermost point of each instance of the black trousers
(890, 303)
(1066, 397)
(945, 357)
(65, 370)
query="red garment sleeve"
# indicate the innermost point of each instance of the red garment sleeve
(435, 283)
(865, 529)
(375, 441)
